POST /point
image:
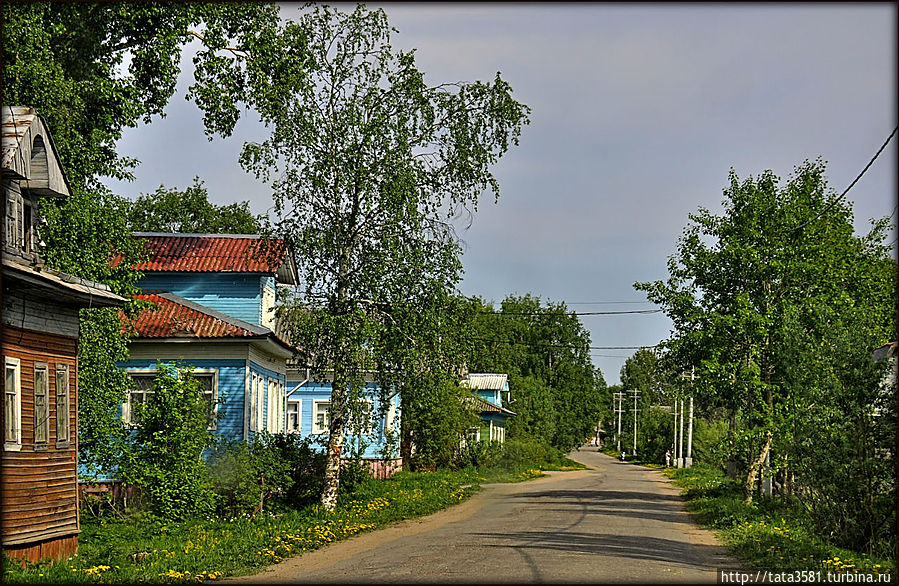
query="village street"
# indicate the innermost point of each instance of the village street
(613, 523)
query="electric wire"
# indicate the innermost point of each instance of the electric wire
(851, 185)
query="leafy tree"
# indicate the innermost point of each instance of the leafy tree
(776, 250)
(190, 211)
(91, 70)
(368, 166)
(166, 455)
(559, 397)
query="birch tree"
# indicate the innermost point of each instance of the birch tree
(369, 167)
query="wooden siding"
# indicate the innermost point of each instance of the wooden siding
(39, 488)
(40, 315)
(236, 294)
(317, 391)
(53, 548)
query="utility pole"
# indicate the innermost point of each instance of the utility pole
(680, 440)
(689, 460)
(674, 441)
(636, 394)
(619, 396)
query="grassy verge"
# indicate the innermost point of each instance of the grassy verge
(143, 549)
(766, 534)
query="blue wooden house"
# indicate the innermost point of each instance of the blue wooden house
(487, 401)
(214, 298)
(308, 405)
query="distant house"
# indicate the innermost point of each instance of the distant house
(487, 401)
(39, 482)
(887, 384)
(213, 298)
(308, 414)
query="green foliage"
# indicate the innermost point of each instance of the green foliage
(92, 69)
(558, 395)
(165, 458)
(710, 442)
(282, 470)
(778, 305)
(83, 233)
(189, 211)
(368, 166)
(768, 534)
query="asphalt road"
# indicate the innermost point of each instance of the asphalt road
(612, 524)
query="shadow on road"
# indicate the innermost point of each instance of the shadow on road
(633, 547)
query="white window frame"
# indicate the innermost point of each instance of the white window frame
(368, 427)
(14, 443)
(41, 406)
(151, 372)
(316, 428)
(275, 419)
(63, 401)
(299, 427)
(259, 394)
(252, 403)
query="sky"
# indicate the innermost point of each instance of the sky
(638, 113)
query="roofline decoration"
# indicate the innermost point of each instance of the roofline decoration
(28, 153)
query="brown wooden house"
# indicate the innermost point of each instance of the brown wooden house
(39, 344)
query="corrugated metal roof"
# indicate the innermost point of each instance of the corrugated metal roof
(484, 406)
(219, 253)
(175, 317)
(485, 382)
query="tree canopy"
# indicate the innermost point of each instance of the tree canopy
(558, 394)
(778, 305)
(190, 211)
(369, 165)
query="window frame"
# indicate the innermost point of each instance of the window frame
(151, 372)
(41, 407)
(14, 444)
(63, 404)
(287, 414)
(316, 428)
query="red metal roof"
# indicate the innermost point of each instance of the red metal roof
(211, 253)
(174, 317)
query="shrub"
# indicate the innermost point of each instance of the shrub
(281, 469)
(165, 456)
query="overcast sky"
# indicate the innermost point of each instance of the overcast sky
(638, 113)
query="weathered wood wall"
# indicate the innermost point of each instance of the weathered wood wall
(39, 500)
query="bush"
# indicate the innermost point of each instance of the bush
(281, 469)
(482, 454)
(165, 456)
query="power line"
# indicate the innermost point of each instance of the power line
(834, 202)
(603, 302)
(548, 314)
(567, 345)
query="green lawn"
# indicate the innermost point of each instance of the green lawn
(766, 534)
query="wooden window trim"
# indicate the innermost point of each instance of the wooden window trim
(63, 404)
(42, 415)
(316, 428)
(299, 404)
(126, 406)
(16, 364)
